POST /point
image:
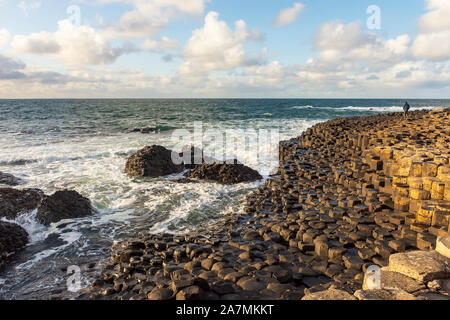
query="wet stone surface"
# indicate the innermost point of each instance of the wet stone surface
(340, 203)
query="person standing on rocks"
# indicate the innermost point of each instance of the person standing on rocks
(406, 108)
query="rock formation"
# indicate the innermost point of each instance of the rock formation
(350, 194)
(8, 179)
(66, 204)
(225, 173)
(193, 157)
(13, 238)
(153, 161)
(14, 201)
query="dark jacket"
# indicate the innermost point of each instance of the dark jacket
(406, 107)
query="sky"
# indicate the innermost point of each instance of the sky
(225, 49)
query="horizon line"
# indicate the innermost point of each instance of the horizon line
(220, 98)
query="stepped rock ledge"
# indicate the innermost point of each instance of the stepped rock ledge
(350, 194)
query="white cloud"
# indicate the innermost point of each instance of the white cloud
(194, 7)
(437, 19)
(273, 69)
(70, 44)
(353, 62)
(5, 36)
(346, 47)
(35, 43)
(399, 45)
(148, 17)
(29, 5)
(335, 35)
(289, 15)
(136, 24)
(415, 74)
(10, 68)
(79, 45)
(349, 61)
(433, 41)
(433, 46)
(417, 78)
(81, 82)
(160, 45)
(217, 47)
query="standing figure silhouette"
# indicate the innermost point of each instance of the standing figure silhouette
(406, 108)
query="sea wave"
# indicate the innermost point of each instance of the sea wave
(386, 109)
(366, 108)
(18, 162)
(303, 107)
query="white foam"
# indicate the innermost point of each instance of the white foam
(119, 216)
(368, 109)
(388, 109)
(95, 167)
(197, 201)
(38, 233)
(35, 230)
(67, 237)
(302, 107)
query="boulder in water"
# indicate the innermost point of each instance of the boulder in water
(15, 201)
(13, 238)
(225, 173)
(154, 161)
(66, 204)
(184, 181)
(144, 130)
(193, 156)
(9, 179)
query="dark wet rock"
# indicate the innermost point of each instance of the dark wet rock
(154, 161)
(148, 130)
(8, 179)
(385, 294)
(225, 173)
(251, 284)
(193, 156)
(317, 226)
(207, 264)
(178, 285)
(145, 130)
(234, 277)
(67, 204)
(20, 162)
(208, 275)
(211, 296)
(223, 287)
(180, 274)
(202, 283)
(184, 181)
(190, 293)
(14, 201)
(13, 238)
(160, 294)
(330, 294)
(53, 240)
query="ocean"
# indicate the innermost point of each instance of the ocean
(83, 145)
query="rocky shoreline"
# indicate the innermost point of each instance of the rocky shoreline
(64, 204)
(151, 161)
(350, 194)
